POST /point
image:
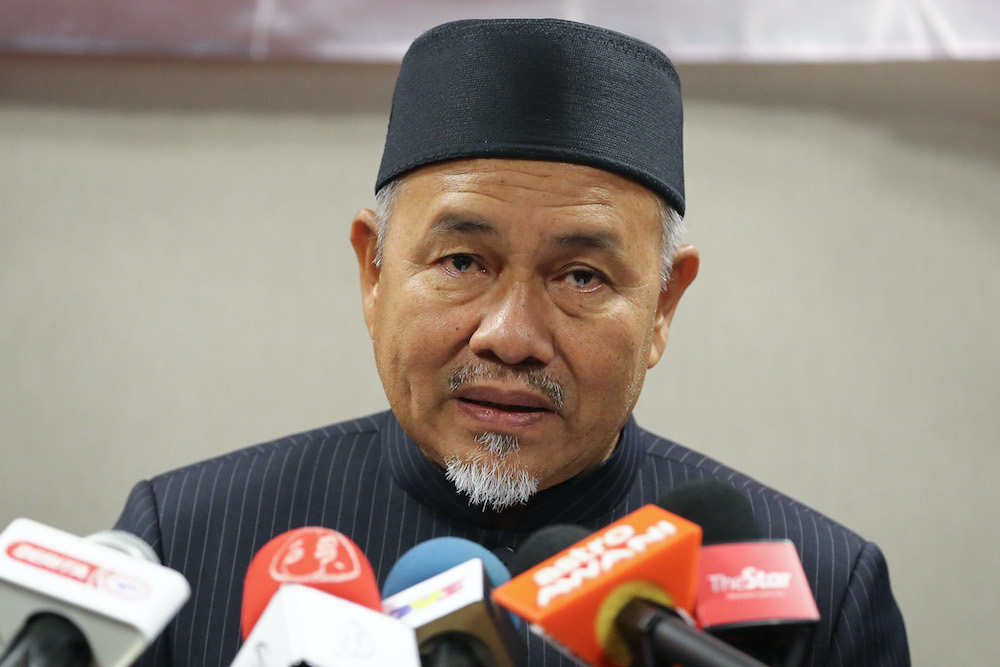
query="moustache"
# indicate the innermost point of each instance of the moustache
(532, 378)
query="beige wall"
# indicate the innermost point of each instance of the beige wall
(175, 282)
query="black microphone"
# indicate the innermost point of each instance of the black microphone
(545, 543)
(752, 592)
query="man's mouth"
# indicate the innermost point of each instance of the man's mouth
(510, 390)
(507, 407)
(503, 410)
(508, 400)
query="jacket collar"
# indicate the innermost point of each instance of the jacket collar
(590, 494)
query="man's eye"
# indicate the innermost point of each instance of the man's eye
(584, 279)
(459, 263)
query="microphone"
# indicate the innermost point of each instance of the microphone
(310, 600)
(436, 555)
(752, 593)
(545, 543)
(637, 621)
(621, 595)
(320, 558)
(69, 601)
(441, 588)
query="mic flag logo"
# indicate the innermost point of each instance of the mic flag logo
(77, 570)
(428, 600)
(52, 561)
(315, 556)
(750, 580)
(310, 556)
(598, 556)
(355, 640)
(746, 582)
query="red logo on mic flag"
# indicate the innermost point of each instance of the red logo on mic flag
(52, 561)
(315, 556)
(77, 570)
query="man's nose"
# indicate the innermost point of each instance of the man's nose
(514, 326)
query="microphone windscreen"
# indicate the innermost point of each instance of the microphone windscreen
(127, 543)
(316, 557)
(436, 555)
(722, 511)
(505, 554)
(544, 544)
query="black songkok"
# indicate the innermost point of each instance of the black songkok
(543, 89)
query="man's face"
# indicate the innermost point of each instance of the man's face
(517, 298)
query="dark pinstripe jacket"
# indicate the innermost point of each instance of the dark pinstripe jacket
(368, 480)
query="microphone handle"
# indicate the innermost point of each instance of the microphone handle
(658, 636)
(47, 640)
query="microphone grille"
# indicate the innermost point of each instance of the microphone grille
(127, 543)
(545, 543)
(723, 512)
(438, 554)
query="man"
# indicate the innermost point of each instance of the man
(519, 276)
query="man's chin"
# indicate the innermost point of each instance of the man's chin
(491, 479)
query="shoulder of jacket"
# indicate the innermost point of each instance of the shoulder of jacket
(354, 432)
(780, 514)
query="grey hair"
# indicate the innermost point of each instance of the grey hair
(384, 200)
(672, 231)
(672, 228)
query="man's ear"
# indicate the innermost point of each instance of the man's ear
(682, 274)
(364, 238)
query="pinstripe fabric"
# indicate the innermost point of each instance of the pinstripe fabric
(367, 479)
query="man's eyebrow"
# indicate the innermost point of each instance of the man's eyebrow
(456, 223)
(605, 241)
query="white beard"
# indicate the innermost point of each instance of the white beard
(493, 475)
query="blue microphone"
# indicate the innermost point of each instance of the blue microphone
(441, 588)
(437, 555)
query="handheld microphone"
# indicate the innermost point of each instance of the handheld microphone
(752, 593)
(444, 587)
(68, 600)
(310, 600)
(621, 594)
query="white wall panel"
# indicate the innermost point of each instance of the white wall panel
(176, 282)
